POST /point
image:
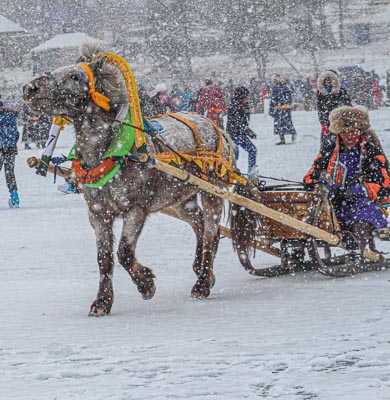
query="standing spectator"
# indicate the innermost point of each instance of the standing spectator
(238, 126)
(145, 101)
(185, 99)
(9, 136)
(161, 101)
(254, 96)
(263, 92)
(228, 91)
(376, 90)
(307, 94)
(280, 109)
(175, 96)
(195, 99)
(36, 128)
(212, 101)
(330, 95)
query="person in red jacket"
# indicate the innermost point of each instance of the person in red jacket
(212, 103)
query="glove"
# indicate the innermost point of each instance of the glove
(309, 186)
(251, 134)
(342, 197)
(325, 129)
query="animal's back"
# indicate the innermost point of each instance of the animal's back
(182, 138)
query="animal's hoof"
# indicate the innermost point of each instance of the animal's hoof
(200, 291)
(212, 280)
(98, 309)
(147, 290)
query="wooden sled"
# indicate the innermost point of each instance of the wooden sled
(297, 226)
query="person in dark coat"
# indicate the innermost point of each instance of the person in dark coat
(147, 107)
(36, 128)
(330, 95)
(359, 171)
(238, 126)
(9, 137)
(280, 109)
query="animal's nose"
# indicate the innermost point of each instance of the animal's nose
(31, 90)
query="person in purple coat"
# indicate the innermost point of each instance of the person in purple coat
(359, 171)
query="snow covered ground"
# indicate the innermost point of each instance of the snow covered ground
(292, 338)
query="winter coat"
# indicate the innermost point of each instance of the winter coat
(212, 100)
(280, 109)
(185, 100)
(36, 126)
(326, 102)
(238, 119)
(9, 134)
(373, 169)
(147, 107)
(281, 98)
(162, 103)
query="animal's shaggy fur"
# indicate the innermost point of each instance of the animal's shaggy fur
(134, 193)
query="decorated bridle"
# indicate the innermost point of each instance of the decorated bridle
(98, 98)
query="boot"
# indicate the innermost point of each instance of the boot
(27, 147)
(282, 141)
(13, 201)
(362, 232)
(66, 187)
(252, 170)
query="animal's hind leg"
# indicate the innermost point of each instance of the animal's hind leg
(212, 210)
(191, 213)
(102, 225)
(141, 276)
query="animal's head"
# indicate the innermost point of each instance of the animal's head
(90, 86)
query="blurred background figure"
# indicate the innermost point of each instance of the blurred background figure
(330, 95)
(185, 100)
(280, 109)
(212, 102)
(161, 101)
(36, 128)
(238, 129)
(9, 137)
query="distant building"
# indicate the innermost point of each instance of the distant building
(14, 43)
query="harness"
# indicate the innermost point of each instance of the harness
(131, 133)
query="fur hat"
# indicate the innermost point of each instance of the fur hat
(334, 78)
(161, 87)
(346, 118)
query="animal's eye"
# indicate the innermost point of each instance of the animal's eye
(75, 77)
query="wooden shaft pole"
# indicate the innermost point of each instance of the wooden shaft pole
(257, 207)
(64, 172)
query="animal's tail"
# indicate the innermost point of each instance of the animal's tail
(245, 225)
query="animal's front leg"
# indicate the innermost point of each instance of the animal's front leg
(140, 275)
(102, 225)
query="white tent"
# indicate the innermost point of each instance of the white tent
(9, 27)
(66, 40)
